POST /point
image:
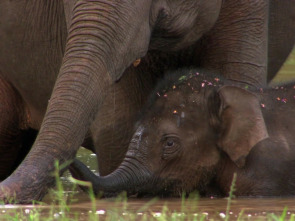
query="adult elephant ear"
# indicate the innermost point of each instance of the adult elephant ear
(242, 123)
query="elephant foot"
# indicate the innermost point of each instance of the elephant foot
(14, 192)
(27, 184)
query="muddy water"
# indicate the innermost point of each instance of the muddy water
(154, 209)
(209, 208)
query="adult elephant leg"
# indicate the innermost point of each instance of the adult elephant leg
(12, 120)
(237, 45)
(97, 52)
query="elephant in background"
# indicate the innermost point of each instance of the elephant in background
(197, 131)
(66, 71)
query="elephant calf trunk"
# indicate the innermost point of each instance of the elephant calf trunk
(118, 181)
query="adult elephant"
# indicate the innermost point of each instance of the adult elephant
(60, 59)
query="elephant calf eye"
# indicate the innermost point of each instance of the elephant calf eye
(170, 143)
(171, 147)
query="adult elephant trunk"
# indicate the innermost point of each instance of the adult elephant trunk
(104, 39)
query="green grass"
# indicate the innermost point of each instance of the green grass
(63, 207)
(231, 196)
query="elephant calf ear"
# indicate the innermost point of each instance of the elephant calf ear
(242, 123)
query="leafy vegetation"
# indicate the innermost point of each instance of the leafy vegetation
(64, 206)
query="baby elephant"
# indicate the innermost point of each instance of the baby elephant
(197, 131)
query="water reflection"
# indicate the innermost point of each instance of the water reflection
(154, 209)
(247, 208)
(88, 158)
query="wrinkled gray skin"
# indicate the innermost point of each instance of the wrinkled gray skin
(198, 132)
(65, 63)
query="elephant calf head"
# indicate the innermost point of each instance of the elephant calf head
(189, 127)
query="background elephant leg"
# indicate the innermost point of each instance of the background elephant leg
(237, 45)
(114, 124)
(11, 133)
(27, 137)
(88, 142)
